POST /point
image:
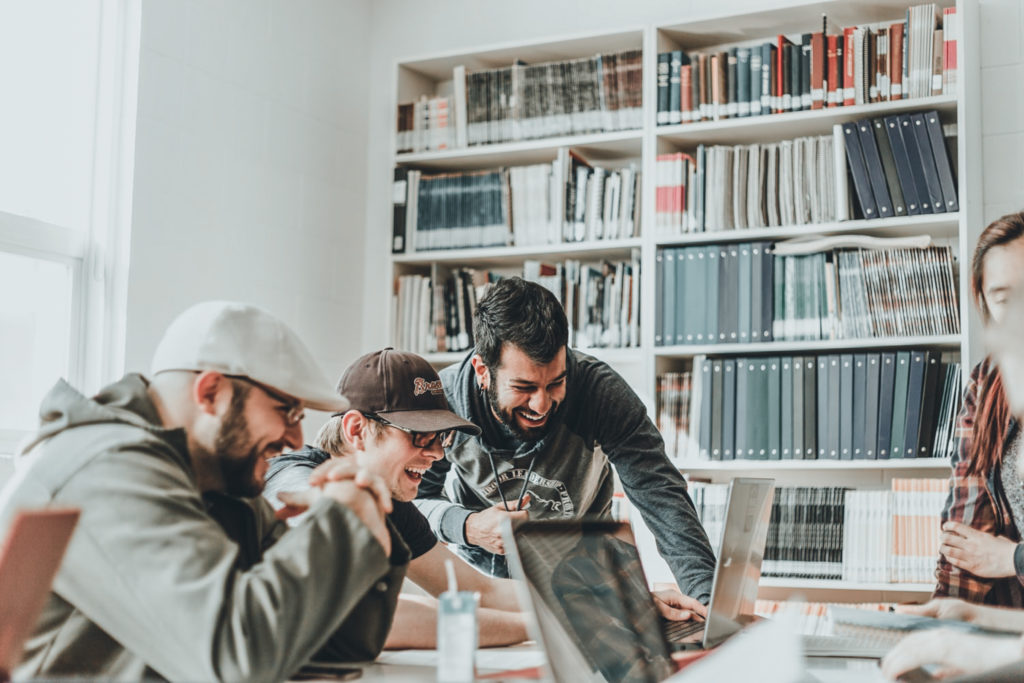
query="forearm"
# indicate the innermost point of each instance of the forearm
(1002, 618)
(500, 594)
(415, 625)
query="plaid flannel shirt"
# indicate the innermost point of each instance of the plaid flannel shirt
(980, 502)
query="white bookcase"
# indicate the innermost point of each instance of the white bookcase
(641, 366)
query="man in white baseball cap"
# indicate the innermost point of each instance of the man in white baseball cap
(178, 569)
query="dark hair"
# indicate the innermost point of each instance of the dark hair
(523, 314)
(992, 416)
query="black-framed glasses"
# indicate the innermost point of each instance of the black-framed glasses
(295, 410)
(419, 439)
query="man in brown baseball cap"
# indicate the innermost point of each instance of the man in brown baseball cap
(398, 424)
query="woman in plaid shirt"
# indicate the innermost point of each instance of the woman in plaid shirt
(982, 558)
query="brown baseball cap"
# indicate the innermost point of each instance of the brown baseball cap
(403, 389)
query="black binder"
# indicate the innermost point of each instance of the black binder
(887, 380)
(915, 399)
(846, 406)
(860, 370)
(892, 179)
(871, 398)
(916, 166)
(931, 174)
(855, 160)
(823, 393)
(942, 162)
(876, 172)
(773, 407)
(729, 409)
(903, 171)
(810, 407)
(796, 415)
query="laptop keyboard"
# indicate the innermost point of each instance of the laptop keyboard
(677, 630)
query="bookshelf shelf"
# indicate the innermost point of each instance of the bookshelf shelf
(597, 146)
(784, 347)
(919, 464)
(637, 149)
(780, 126)
(507, 256)
(940, 226)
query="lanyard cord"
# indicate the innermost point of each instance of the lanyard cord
(522, 491)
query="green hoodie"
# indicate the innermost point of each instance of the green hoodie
(153, 586)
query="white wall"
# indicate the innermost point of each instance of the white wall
(250, 167)
(403, 30)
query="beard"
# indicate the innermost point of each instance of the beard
(236, 454)
(507, 417)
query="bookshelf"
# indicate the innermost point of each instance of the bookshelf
(642, 365)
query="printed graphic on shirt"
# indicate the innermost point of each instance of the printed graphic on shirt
(548, 497)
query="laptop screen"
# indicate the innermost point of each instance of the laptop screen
(588, 577)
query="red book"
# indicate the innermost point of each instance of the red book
(686, 92)
(834, 86)
(849, 86)
(817, 70)
(896, 61)
(781, 43)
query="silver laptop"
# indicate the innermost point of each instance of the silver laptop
(594, 615)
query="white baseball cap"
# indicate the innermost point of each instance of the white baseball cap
(238, 339)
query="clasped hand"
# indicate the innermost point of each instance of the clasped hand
(356, 488)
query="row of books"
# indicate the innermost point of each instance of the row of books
(601, 302)
(888, 536)
(864, 64)
(747, 292)
(792, 182)
(434, 313)
(893, 536)
(567, 200)
(522, 101)
(812, 617)
(425, 125)
(900, 165)
(844, 406)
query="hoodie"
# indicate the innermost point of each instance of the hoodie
(159, 582)
(601, 423)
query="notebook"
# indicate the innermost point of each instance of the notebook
(29, 559)
(593, 612)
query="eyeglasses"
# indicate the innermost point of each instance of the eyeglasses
(419, 439)
(294, 412)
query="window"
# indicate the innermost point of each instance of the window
(67, 125)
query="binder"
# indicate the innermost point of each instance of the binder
(767, 285)
(810, 407)
(892, 180)
(712, 255)
(669, 296)
(899, 403)
(931, 175)
(846, 406)
(659, 297)
(690, 296)
(858, 170)
(704, 434)
(859, 403)
(786, 407)
(916, 166)
(399, 202)
(872, 393)
(728, 296)
(729, 409)
(887, 380)
(911, 196)
(823, 390)
(773, 405)
(915, 397)
(756, 284)
(745, 293)
(835, 390)
(716, 409)
(796, 415)
(876, 173)
(742, 440)
(942, 163)
(757, 408)
(931, 393)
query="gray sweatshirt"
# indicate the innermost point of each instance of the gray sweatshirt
(152, 585)
(601, 422)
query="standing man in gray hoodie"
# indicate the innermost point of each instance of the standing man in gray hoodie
(178, 569)
(553, 423)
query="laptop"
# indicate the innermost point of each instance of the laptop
(594, 614)
(30, 556)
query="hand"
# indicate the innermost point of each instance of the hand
(675, 606)
(484, 528)
(955, 653)
(341, 469)
(942, 608)
(978, 552)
